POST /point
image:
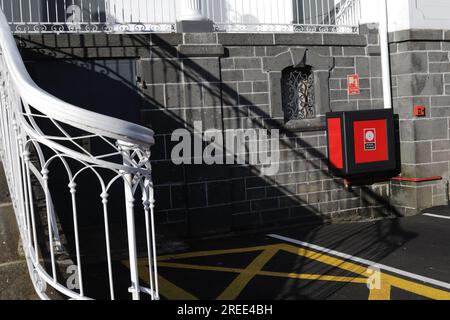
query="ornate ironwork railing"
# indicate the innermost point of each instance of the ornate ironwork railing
(298, 94)
(58, 16)
(65, 168)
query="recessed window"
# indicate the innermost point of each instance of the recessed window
(298, 93)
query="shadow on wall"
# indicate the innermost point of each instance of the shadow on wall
(109, 87)
(209, 199)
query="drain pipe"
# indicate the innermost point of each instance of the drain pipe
(385, 58)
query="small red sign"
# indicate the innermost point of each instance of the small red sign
(419, 111)
(353, 85)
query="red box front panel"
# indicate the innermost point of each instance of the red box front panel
(335, 143)
(371, 141)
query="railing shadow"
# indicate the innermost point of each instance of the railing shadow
(186, 181)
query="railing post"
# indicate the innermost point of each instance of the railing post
(191, 19)
(126, 149)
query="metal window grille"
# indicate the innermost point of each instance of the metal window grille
(298, 93)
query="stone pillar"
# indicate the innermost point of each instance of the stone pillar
(191, 19)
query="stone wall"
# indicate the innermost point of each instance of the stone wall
(421, 77)
(224, 80)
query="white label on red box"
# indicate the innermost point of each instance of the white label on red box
(370, 139)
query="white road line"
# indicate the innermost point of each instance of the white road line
(369, 263)
(436, 216)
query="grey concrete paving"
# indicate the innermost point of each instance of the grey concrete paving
(15, 283)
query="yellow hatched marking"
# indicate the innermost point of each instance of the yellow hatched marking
(200, 254)
(417, 288)
(331, 261)
(387, 281)
(265, 273)
(383, 294)
(313, 277)
(242, 280)
(171, 291)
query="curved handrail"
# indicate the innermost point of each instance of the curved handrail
(42, 137)
(62, 111)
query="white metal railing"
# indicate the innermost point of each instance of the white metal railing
(284, 15)
(40, 16)
(45, 141)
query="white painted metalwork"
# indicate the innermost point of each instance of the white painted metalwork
(385, 55)
(321, 16)
(43, 138)
(57, 16)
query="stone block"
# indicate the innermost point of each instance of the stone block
(232, 75)
(438, 56)
(254, 75)
(363, 67)
(416, 152)
(244, 39)
(247, 63)
(418, 46)
(354, 51)
(153, 97)
(345, 62)
(344, 40)
(201, 70)
(239, 51)
(420, 84)
(196, 50)
(200, 38)
(253, 99)
(166, 39)
(439, 67)
(157, 71)
(409, 62)
(192, 95)
(174, 96)
(427, 129)
(260, 86)
(298, 39)
(419, 34)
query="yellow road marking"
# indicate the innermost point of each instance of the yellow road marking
(384, 292)
(417, 288)
(387, 281)
(210, 253)
(362, 273)
(331, 261)
(242, 280)
(199, 267)
(264, 273)
(173, 292)
(313, 277)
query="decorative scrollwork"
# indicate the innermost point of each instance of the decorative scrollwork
(298, 94)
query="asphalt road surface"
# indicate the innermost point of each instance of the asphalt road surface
(400, 259)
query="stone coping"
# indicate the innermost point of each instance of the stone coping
(419, 35)
(175, 39)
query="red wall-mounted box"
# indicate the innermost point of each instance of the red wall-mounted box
(361, 142)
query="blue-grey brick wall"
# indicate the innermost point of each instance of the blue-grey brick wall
(421, 76)
(220, 79)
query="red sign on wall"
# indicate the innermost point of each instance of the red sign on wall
(371, 141)
(353, 85)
